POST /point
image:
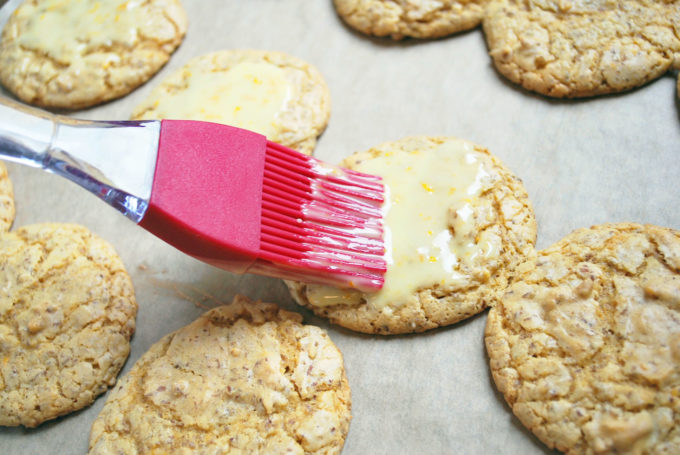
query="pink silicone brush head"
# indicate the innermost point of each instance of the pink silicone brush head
(231, 198)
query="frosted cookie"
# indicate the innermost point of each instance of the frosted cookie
(412, 18)
(457, 224)
(7, 210)
(585, 345)
(243, 378)
(274, 94)
(576, 48)
(67, 312)
(77, 53)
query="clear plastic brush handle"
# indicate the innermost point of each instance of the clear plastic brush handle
(113, 160)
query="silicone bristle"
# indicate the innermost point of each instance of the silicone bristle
(320, 222)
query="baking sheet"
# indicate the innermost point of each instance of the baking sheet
(609, 159)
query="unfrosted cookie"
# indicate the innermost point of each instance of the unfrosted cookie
(576, 48)
(243, 378)
(458, 221)
(585, 345)
(77, 53)
(413, 18)
(67, 312)
(7, 210)
(272, 93)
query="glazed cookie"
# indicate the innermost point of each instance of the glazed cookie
(243, 378)
(7, 210)
(274, 94)
(413, 18)
(585, 344)
(457, 224)
(67, 312)
(77, 53)
(576, 48)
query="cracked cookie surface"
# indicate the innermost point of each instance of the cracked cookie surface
(243, 378)
(67, 312)
(271, 93)
(412, 18)
(73, 54)
(578, 48)
(585, 344)
(7, 208)
(458, 221)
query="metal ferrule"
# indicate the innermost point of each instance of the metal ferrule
(113, 160)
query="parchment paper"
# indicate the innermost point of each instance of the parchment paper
(609, 159)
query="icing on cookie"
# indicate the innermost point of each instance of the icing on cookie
(430, 222)
(53, 24)
(249, 95)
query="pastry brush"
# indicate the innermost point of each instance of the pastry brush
(221, 194)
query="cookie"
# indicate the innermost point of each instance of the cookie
(73, 54)
(243, 378)
(577, 48)
(585, 344)
(67, 312)
(271, 93)
(412, 18)
(458, 221)
(7, 210)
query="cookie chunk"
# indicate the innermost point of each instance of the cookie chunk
(243, 378)
(412, 18)
(585, 344)
(7, 210)
(77, 53)
(67, 312)
(457, 223)
(576, 48)
(274, 94)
